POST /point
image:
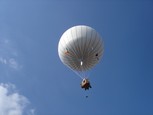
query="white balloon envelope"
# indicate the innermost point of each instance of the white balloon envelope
(80, 48)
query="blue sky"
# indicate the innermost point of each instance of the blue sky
(33, 81)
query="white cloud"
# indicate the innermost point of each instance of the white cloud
(9, 53)
(31, 112)
(11, 62)
(3, 61)
(12, 103)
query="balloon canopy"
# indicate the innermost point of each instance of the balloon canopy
(80, 48)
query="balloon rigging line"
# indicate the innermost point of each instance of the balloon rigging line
(76, 73)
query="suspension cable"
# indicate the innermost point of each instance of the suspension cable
(76, 73)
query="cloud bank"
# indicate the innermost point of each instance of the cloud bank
(12, 103)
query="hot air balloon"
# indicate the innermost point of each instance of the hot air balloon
(80, 48)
